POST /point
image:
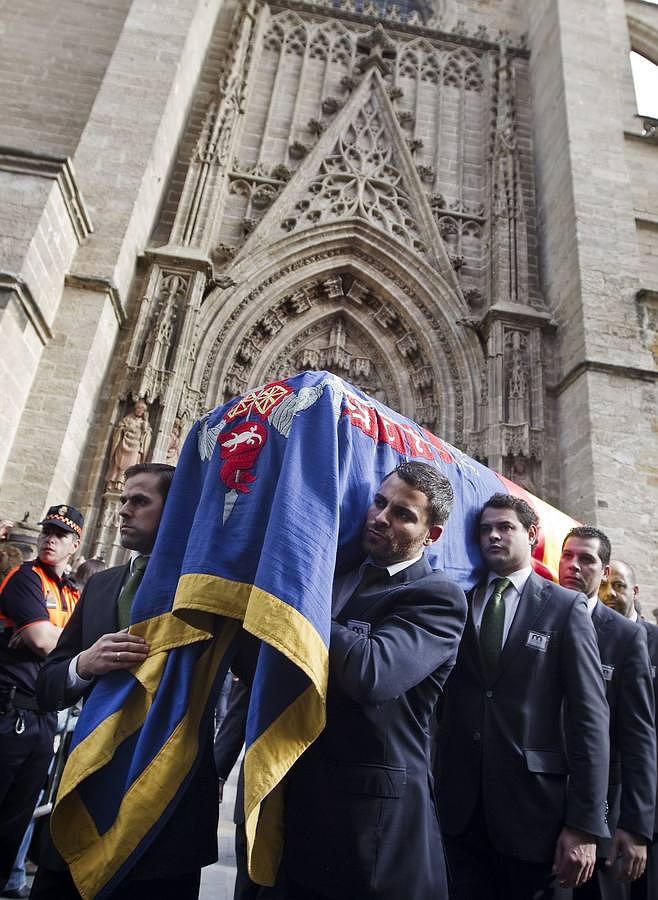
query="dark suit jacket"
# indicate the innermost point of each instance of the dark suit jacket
(629, 691)
(361, 819)
(189, 839)
(652, 646)
(505, 740)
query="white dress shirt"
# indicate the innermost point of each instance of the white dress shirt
(511, 597)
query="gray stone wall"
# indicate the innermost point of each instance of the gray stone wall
(53, 56)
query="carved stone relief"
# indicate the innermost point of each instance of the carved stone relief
(332, 344)
(517, 388)
(370, 346)
(361, 178)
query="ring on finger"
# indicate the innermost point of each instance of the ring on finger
(117, 656)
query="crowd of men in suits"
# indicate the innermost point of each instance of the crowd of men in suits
(499, 745)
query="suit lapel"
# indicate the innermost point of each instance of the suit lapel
(601, 619)
(531, 603)
(470, 640)
(366, 602)
(106, 604)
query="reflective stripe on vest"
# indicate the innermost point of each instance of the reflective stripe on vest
(60, 603)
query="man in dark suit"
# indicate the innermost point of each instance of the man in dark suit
(620, 592)
(94, 643)
(229, 741)
(522, 744)
(584, 565)
(360, 814)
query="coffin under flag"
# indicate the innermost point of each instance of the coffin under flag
(266, 506)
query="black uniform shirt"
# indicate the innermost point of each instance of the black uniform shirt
(23, 602)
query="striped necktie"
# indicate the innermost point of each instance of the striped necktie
(128, 591)
(492, 625)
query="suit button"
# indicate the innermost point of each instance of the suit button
(476, 736)
(489, 694)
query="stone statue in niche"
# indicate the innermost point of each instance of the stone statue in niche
(520, 472)
(517, 380)
(173, 449)
(130, 444)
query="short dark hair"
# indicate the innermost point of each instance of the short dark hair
(526, 514)
(587, 532)
(432, 483)
(88, 568)
(629, 568)
(164, 472)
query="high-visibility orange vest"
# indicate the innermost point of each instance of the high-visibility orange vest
(60, 602)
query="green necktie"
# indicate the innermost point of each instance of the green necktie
(492, 625)
(128, 591)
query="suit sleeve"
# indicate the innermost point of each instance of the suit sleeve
(586, 724)
(637, 740)
(52, 690)
(421, 634)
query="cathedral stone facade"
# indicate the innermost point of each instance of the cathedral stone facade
(452, 205)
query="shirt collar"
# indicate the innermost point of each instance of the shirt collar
(50, 572)
(517, 578)
(133, 556)
(394, 568)
(633, 616)
(591, 603)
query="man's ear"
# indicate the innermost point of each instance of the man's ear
(533, 531)
(433, 534)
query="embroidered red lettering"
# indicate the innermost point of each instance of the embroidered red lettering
(416, 446)
(389, 433)
(439, 446)
(361, 415)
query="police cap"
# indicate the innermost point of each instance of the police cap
(68, 518)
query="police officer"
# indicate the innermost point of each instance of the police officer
(36, 600)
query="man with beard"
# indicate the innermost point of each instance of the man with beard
(584, 566)
(620, 592)
(523, 736)
(360, 813)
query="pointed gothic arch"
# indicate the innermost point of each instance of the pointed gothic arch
(405, 336)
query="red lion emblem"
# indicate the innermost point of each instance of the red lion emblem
(240, 447)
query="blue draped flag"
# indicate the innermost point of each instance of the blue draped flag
(266, 506)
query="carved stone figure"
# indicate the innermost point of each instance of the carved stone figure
(173, 450)
(521, 474)
(130, 444)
